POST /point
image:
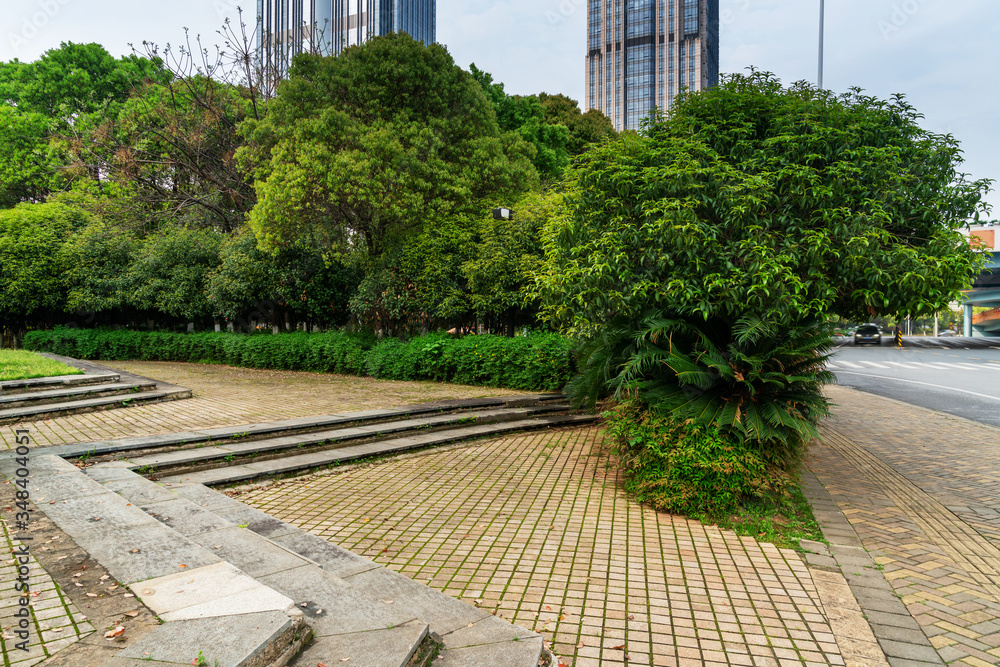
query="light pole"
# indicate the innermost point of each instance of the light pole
(822, 16)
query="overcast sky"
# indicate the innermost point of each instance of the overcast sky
(943, 54)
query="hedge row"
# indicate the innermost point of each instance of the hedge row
(538, 362)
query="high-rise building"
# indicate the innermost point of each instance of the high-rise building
(641, 53)
(288, 27)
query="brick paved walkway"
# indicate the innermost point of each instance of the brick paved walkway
(536, 529)
(922, 491)
(226, 396)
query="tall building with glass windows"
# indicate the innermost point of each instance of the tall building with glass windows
(288, 27)
(640, 53)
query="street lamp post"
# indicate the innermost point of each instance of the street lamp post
(822, 17)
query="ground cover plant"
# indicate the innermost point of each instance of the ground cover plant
(22, 365)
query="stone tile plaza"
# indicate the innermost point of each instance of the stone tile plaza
(531, 529)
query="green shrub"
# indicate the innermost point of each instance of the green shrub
(685, 468)
(539, 362)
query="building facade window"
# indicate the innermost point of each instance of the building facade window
(643, 52)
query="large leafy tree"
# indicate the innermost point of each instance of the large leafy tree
(699, 256)
(75, 79)
(526, 116)
(32, 263)
(584, 128)
(362, 148)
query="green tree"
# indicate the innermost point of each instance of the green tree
(506, 257)
(74, 79)
(27, 170)
(699, 256)
(169, 274)
(296, 281)
(362, 148)
(526, 116)
(32, 263)
(588, 128)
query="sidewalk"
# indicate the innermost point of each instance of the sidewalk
(536, 529)
(921, 490)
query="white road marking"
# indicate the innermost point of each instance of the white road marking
(928, 384)
(903, 364)
(875, 365)
(849, 364)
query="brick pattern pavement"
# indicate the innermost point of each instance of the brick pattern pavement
(921, 494)
(536, 529)
(226, 396)
(55, 621)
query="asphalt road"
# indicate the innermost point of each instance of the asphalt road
(953, 375)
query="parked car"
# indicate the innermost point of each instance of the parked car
(948, 332)
(868, 334)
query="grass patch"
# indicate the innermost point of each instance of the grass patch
(23, 365)
(782, 521)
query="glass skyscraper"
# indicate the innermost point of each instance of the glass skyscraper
(288, 27)
(640, 53)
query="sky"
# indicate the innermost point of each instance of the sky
(942, 54)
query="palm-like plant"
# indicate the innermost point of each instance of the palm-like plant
(756, 380)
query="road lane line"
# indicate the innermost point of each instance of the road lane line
(874, 365)
(902, 364)
(925, 384)
(849, 364)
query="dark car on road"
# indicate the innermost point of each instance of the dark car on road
(868, 334)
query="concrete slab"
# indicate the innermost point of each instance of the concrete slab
(524, 652)
(138, 490)
(379, 648)
(186, 517)
(215, 590)
(442, 613)
(333, 607)
(248, 551)
(253, 519)
(489, 630)
(329, 556)
(132, 545)
(232, 641)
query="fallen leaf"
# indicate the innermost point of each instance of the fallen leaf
(469, 625)
(133, 613)
(34, 594)
(129, 595)
(135, 551)
(77, 583)
(304, 604)
(111, 634)
(387, 601)
(91, 595)
(320, 664)
(618, 648)
(182, 565)
(105, 577)
(78, 574)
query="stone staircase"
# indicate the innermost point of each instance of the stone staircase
(98, 388)
(240, 588)
(240, 454)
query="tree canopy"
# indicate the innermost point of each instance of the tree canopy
(367, 145)
(700, 257)
(788, 203)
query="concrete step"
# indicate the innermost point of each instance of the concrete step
(74, 393)
(8, 387)
(205, 603)
(299, 425)
(192, 458)
(50, 410)
(357, 609)
(243, 472)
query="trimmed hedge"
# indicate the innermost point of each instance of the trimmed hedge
(539, 362)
